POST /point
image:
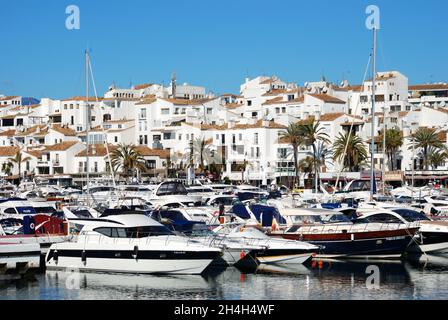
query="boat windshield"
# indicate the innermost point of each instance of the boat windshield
(335, 218)
(135, 232)
(306, 219)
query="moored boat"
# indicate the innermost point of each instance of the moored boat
(338, 237)
(131, 243)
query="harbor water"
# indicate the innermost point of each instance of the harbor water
(420, 279)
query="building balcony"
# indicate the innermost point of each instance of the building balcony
(41, 163)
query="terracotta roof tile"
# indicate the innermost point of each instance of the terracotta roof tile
(326, 98)
(8, 151)
(425, 87)
(63, 146)
(64, 130)
(331, 116)
(143, 86)
(8, 133)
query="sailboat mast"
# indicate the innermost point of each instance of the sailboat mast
(87, 127)
(372, 146)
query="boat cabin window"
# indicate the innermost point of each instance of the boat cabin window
(306, 219)
(227, 201)
(135, 232)
(82, 214)
(335, 218)
(171, 188)
(411, 215)
(172, 215)
(380, 218)
(359, 185)
(45, 210)
(10, 211)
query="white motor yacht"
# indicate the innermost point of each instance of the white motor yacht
(275, 250)
(432, 237)
(131, 244)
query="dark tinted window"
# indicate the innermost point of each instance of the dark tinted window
(411, 215)
(48, 210)
(136, 232)
(172, 215)
(82, 214)
(171, 188)
(382, 218)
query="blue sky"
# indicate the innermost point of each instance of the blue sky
(213, 43)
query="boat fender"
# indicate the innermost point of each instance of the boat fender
(320, 264)
(84, 257)
(134, 255)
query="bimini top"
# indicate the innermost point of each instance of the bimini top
(307, 212)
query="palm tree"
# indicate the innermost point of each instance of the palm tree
(313, 133)
(7, 168)
(394, 140)
(18, 159)
(437, 157)
(356, 153)
(293, 135)
(127, 159)
(306, 166)
(426, 138)
(202, 154)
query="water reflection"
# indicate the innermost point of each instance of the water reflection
(423, 277)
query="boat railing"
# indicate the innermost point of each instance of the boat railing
(355, 228)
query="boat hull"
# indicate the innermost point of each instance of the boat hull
(124, 261)
(279, 256)
(370, 245)
(433, 243)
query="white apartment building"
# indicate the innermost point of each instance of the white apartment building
(391, 94)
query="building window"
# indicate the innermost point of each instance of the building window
(116, 139)
(142, 113)
(249, 103)
(256, 138)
